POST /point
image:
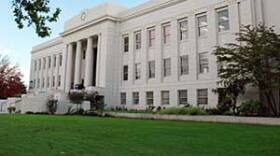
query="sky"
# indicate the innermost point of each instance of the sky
(17, 44)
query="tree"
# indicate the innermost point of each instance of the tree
(253, 60)
(10, 79)
(35, 12)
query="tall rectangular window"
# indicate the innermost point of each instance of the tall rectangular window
(43, 83)
(202, 25)
(44, 63)
(48, 82)
(123, 98)
(137, 71)
(183, 29)
(59, 81)
(167, 67)
(165, 98)
(126, 44)
(40, 64)
(151, 37)
(35, 65)
(150, 98)
(152, 68)
(135, 96)
(203, 63)
(202, 97)
(54, 61)
(60, 60)
(34, 85)
(223, 20)
(53, 81)
(183, 97)
(84, 54)
(184, 64)
(38, 85)
(138, 41)
(50, 61)
(125, 72)
(166, 33)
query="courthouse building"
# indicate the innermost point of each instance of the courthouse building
(159, 53)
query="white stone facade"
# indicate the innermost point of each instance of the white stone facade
(157, 53)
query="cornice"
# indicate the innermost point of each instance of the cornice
(48, 44)
(88, 24)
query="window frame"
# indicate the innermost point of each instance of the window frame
(137, 71)
(150, 99)
(200, 26)
(125, 72)
(135, 98)
(181, 32)
(126, 43)
(165, 99)
(184, 70)
(218, 11)
(151, 37)
(138, 40)
(166, 33)
(180, 99)
(202, 97)
(202, 64)
(151, 69)
(167, 67)
(123, 98)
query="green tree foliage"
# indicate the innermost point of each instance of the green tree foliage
(253, 60)
(36, 13)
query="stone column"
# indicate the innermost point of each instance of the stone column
(78, 59)
(89, 63)
(69, 68)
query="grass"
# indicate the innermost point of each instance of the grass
(88, 136)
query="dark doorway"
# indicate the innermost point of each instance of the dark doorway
(94, 66)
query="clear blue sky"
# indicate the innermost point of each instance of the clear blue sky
(17, 43)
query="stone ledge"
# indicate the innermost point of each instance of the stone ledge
(206, 118)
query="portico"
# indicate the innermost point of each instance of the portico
(82, 62)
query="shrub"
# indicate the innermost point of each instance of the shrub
(76, 97)
(29, 112)
(183, 111)
(250, 108)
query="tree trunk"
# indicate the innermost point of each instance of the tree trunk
(271, 105)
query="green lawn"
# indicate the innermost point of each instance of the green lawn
(61, 135)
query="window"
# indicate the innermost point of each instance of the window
(202, 97)
(184, 64)
(126, 43)
(48, 82)
(183, 97)
(59, 81)
(167, 67)
(223, 20)
(84, 54)
(202, 25)
(123, 98)
(137, 71)
(165, 97)
(125, 72)
(43, 83)
(183, 29)
(38, 85)
(35, 65)
(150, 98)
(152, 37)
(40, 64)
(166, 33)
(135, 96)
(60, 60)
(203, 63)
(34, 85)
(138, 40)
(44, 63)
(53, 81)
(54, 61)
(152, 72)
(50, 62)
